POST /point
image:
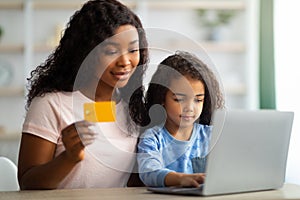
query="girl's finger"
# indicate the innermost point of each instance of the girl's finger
(200, 178)
(195, 183)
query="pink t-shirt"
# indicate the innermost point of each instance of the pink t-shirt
(108, 161)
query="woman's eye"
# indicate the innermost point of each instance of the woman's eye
(178, 100)
(110, 52)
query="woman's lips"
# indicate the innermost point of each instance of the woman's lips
(121, 75)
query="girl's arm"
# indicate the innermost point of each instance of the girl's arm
(184, 180)
(37, 166)
(149, 162)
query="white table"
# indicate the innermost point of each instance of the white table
(289, 191)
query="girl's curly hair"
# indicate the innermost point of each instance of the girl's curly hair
(96, 21)
(184, 64)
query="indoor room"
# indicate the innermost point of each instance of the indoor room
(249, 44)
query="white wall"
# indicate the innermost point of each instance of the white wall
(287, 42)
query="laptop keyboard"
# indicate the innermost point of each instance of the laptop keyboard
(178, 190)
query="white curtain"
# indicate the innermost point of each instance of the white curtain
(287, 70)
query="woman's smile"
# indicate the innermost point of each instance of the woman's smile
(121, 75)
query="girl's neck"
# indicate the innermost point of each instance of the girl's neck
(180, 133)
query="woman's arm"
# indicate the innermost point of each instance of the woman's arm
(37, 166)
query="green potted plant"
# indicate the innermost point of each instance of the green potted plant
(212, 20)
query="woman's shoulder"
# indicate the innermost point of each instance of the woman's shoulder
(44, 99)
(51, 100)
(53, 97)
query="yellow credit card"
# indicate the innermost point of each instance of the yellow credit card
(104, 111)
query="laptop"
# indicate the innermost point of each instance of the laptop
(248, 152)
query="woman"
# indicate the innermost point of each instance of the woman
(102, 56)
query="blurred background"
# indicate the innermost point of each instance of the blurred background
(251, 44)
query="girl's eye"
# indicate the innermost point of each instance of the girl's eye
(199, 100)
(134, 50)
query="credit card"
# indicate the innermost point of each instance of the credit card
(104, 111)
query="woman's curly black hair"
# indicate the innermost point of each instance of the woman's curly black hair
(96, 21)
(184, 64)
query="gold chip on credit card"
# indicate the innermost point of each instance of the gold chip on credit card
(104, 111)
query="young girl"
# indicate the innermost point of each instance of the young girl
(172, 153)
(102, 56)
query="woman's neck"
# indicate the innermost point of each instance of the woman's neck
(103, 92)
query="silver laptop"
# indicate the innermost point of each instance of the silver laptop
(248, 152)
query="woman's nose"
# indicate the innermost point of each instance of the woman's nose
(123, 60)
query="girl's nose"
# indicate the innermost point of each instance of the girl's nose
(188, 107)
